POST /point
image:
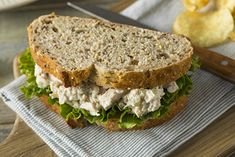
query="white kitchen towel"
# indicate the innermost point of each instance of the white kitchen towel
(210, 98)
(161, 14)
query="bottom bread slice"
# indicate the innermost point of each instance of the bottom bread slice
(112, 124)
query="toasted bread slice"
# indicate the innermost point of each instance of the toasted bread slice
(112, 124)
(113, 55)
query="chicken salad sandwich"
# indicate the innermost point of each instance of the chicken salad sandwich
(116, 76)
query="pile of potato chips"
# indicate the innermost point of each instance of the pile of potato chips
(206, 22)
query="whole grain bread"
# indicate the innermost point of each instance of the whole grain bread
(112, 124)
(113, 55)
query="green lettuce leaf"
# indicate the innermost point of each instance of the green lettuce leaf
(65, 109)
(125, 117)
(129, 120)
(195, 64)
(26, 66)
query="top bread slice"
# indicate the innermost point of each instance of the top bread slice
(112, 55)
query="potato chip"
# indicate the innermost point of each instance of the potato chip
(233, 13)
(232, 36)
(205, 29)
(193, 5)
(229, 4)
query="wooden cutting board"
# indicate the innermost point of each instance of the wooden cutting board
(218, 139)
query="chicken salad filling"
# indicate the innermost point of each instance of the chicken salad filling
(129, 108)
(92, 98)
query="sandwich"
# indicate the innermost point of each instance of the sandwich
(116, 76)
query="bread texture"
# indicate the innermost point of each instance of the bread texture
(112, 124)
(113, 55)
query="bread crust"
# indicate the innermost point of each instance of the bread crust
(112, 124)
(145, 79)
(121, 79)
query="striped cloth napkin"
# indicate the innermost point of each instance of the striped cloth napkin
(210, 98)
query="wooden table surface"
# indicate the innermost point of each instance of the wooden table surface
(218, 139)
